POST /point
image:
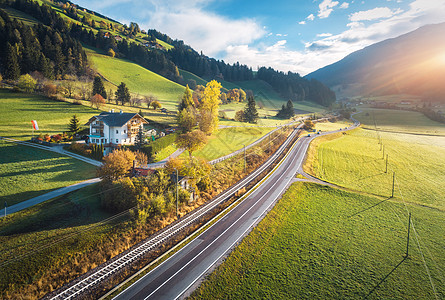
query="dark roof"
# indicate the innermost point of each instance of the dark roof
(115, 119)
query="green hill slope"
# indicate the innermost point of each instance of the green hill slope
(138, 79)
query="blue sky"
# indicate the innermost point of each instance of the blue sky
(289, 35)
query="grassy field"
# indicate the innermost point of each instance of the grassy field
(27, 172)
(228, 140)
(48, 235)
(355, 161)
(310, 247)
(188, 76)
(17, 111)
(331, 126)
(138, 79)
(399, 121)
(21, 16)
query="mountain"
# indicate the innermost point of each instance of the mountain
(47, 37)
(413, 63)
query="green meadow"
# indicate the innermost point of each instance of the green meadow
(18, 109)
(138, 79)
(228, 140)
(399, 121)
(320, 242)
(312, 245)
(27, 172)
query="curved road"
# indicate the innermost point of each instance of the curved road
(180, 274)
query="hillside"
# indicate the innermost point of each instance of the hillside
(138, 79)
(55, 22)
(413, 63)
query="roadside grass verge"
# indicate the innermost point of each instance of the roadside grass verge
(27, 172)
(308, 247)
(354, 160)
(18, 109)
(228, 140)
(399, 121)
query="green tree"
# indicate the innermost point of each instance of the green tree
(74, 125)
(250, 112)
(98, 87)
(139, 139)
(27, 83)
(192, 141)
(186, 119)
(123, 93)
(12, 68)
(186, 100)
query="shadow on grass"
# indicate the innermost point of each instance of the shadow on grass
(384, 278)
(371, 176)
(368, 208)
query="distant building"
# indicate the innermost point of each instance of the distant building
(118, 38)
(112, 129)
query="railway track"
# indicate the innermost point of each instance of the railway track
(118, 263)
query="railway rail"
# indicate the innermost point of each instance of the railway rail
(75, 289)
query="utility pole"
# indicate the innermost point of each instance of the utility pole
(386, 170)
(393, 180)
(407, 242)
(244, 158)
(177, 194)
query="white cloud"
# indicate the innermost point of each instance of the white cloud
(344, 5)
(324, 34)
(373, 14)
(326, 7)
(302, 22)
(241, 39)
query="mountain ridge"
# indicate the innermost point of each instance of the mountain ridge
(409, 63)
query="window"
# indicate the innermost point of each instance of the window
(117, 131)
(125, 131)
(117, 141)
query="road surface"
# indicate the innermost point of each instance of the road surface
(180, 274)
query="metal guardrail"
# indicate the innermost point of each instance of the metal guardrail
(121, 261)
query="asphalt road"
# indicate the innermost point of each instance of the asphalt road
(177, 276)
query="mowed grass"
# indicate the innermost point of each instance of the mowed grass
(39, 240)
(228, 140)
(18, 109)
(355, 160)
(399, 121)
(138, 79)
(332, 126)
(27, 172)
(311, 247)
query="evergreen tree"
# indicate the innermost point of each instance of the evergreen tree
(250, 112)
(139, 139)
(74, 125)
(12, 68)
(122, 93)
(98, 87)
(187, 99)
(290, 109)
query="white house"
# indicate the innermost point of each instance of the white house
(112, 129)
